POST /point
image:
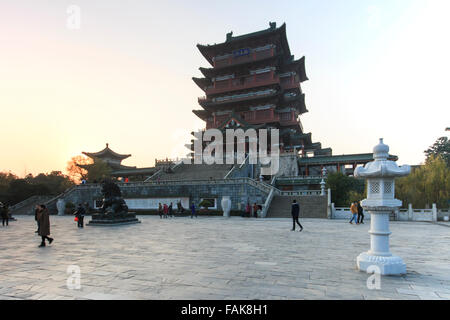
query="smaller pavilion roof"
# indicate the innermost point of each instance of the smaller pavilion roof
(345, 158)
(107, 153)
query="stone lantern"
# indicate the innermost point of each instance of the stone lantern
(322, 183)
(380, 202)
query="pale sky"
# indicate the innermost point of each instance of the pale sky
(376, 69)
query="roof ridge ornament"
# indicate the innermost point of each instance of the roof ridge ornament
(272, 25)
(381, 167)
(229, 36)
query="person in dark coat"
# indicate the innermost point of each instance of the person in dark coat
(44, 225)
(295, 211)
(255, 210)
(171, 210)
(193, 212)
(160, 210)
(80, 215)
(4, 214)
(360, 214)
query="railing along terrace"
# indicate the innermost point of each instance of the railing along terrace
(260, 185)
(300, 178)
(300, 193)
(245, 82)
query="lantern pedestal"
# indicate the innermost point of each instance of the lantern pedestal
(392, 265)
(379, 254)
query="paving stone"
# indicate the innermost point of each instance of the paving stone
(218, 258)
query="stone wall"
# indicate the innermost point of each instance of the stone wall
(239, 192)
(288, 165)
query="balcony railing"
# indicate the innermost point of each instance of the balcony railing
(243, 83)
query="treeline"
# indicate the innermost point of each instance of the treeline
(14, 189)
(427, 184)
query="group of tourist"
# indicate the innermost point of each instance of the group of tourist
(254, 210)
(42, 218)
(165, 211)
(357, 213)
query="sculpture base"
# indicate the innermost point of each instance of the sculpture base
(113, 220)
(391, 265)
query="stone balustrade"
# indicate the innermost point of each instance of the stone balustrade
(410, 214)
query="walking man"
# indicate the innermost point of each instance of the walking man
(295, 211)
(80, 215)
(354, 211)
(360, 213)
(4, 214)
(193, 212)
(171, 210)
(44, 225)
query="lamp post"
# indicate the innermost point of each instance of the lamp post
(380, 202)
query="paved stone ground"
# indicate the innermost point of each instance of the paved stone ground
(217, 258)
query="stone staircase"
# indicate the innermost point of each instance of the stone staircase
(28, 205)
(310, 206)
(194, 172)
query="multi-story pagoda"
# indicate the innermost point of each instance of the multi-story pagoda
(255, 82)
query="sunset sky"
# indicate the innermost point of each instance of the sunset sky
(376, 69)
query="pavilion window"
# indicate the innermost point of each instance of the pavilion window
(286, 116)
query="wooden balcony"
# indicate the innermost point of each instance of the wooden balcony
(243, 83)
(257, 117)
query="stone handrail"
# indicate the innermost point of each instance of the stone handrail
(272, 182)
(153, 175)
(236, 167)
(25, 202)
(267, 203)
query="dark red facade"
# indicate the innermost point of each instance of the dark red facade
(255, 82)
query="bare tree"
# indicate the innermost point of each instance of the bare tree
(74, 171)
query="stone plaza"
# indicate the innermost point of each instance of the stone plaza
(218, 258)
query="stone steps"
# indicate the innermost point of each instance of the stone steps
(29, 205)
(195, 172)
(310, 207)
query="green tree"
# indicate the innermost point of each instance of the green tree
(440, 148)
(426, 185)
(98, 171)
(345, 189)
(14, 190)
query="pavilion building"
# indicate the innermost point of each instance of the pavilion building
(255, 82)
(114, 162)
